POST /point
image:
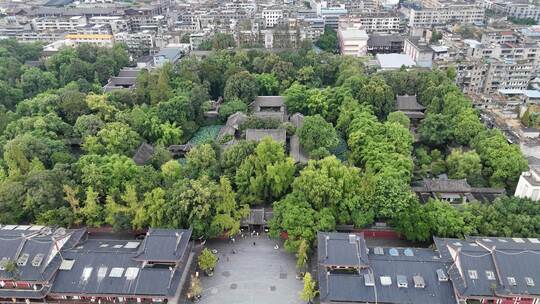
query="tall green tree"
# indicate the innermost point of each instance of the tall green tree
(264, 175)
(316, 133)
(242, 86)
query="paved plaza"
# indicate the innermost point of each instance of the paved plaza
(256, 274)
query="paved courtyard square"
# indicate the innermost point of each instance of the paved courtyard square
(257, 274)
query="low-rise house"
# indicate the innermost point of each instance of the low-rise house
(125, 79)
(232, 126)
(419, 51)
(272, 107)
(266, 107)
(454, 191)
(385, 44)
(257, 219)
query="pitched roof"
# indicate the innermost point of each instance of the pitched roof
(281, 116)
(267, 101)
(258, 216)
(144, 154)
(33, 249)
(488, 266)
(336, 249)
(113, 267)
(278, 135)
(164, 245)
(408, 103)
(446, 185)
(365, 285)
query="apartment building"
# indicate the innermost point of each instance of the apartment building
(271, 16)
(448, 14)
(516, 9)
(115, 23)
(331, 16)
(312, 28)
(419, 51)
(489, 68)
(43, 24)
(102, 40)
(353, 41)
(373, 22)
(496, 36)
(137, 43)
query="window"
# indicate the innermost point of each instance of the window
(116, 272)
(529, 281)
(386, 281)
(490, 275)
(473, 274)
(511, 281)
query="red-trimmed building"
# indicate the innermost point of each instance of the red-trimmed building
(43, 265)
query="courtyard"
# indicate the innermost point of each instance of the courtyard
(255, 274)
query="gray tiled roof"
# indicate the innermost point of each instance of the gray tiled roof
(334, 249)
(281, 116)
(149, 281)
(143, 154)
(504, 258)
(408, 103)
(278, 135)
(268, 101)
(92, 272)
(446, 185)
(16, 243)
(338, 286)
(164, 245)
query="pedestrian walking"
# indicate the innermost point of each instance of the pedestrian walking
(253, 243)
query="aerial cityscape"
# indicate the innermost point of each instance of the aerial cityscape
(270, 152)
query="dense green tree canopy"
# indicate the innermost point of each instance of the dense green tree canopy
(316, 133)
(67, 147)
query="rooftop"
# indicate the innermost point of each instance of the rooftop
(278, 135)
(353, 34)
(492, 265)
(408, 103)
(383, 275)
(394, 61)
